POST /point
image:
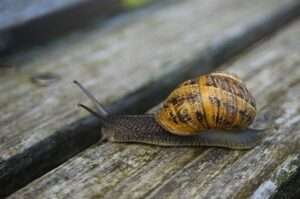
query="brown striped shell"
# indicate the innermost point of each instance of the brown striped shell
(218, 100)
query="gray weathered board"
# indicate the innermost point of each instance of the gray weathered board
(42, 15)
(29, 22)
(14, 13)
(110, 170)
(39, 121)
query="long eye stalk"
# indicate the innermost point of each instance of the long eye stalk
(100, 108)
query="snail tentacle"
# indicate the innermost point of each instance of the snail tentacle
(100, 117)
(100, 108)
(105, 121)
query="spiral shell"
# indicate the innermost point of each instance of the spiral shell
(218, 100)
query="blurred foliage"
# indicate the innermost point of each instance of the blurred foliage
(135, 3)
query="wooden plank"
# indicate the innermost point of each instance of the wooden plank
(14, 13)
(288, 188)
(31, 22)
(112, 170)
(279, 179)
(45, 130)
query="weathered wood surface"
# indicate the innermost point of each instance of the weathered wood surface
(111, 170)
(280, 178)
(30, 22)
(14, 12)
(39, 127)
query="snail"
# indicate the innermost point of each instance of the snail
(215, 109)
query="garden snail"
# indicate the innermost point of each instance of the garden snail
(211, 110)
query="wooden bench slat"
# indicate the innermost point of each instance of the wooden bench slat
(45, 130)
(278, 179)
(112, 170)
(14, 13)
(29, 23)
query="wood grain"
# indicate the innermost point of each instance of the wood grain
(148, 52)
(108, 170)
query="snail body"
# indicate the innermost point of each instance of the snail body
(211, 110)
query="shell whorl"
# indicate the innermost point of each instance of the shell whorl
(214, 101)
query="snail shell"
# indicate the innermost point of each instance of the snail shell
(218, 100)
